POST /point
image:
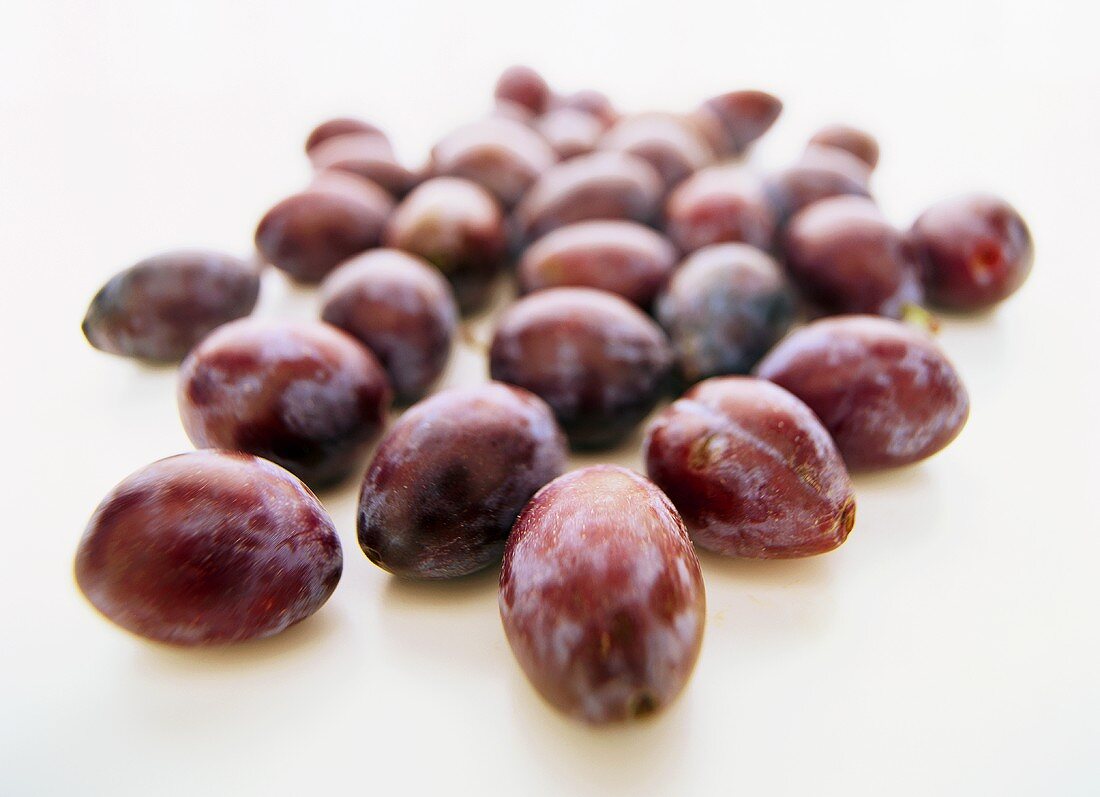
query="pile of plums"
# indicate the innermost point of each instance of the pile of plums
(651, 261)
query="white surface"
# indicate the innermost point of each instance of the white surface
(950, 647)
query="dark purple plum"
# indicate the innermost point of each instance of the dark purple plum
(751, 470)
(820, 173)
(719, 204)
(617, 256)
(733, 121)
(846, 257)
(885, 390)
(450, 477)
(597, 360)
(401, 308)
(523, 86)
(502, 155)
(209, 547)
(600, 185)
(368, 155)
(160, 308)
(669, 143)
(851, 139)
(302, 394)
(341, 126)
(975, 251)
(457, 226)
(570, 132)
(308, 234)
(602, 597)
(724, 307)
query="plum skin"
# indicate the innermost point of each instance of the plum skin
(720, 204)
(159, 308)
(622, 257)
(302, 394)
(458, 227)
(400, 308)
(847, 257)
(751, 470)
(976, 250)
(602, 597)
(310, 233)
(450, 477)
(523, 86)
(723, 308)
(597, 360)
(885, 390)
(208, 547)
(851, 139)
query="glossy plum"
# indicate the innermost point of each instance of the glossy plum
(340, 126)
(368, 155)
(160, 308)
(724, 307)
(819, 173)
(846, 257)
(589, 101)
(450, 477)
(308, 234)
(597, 360)
(570, 132)
(401, 308)
(733, 121)
(501, 155)
(885, 390)
(617, 256)
(524, 86)
(602, 597)
(669, 143)
(457, 226)
(718, 204)
(751, 470)
(600, 185)
(209, 547)
(851, 139)
(976, 250)
(302, 394)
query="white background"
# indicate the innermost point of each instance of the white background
(951, 647)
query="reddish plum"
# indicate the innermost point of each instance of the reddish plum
(669, 143)
(602, 597)
(851, 139)
(720, 204)
(523, 86)
(209, 547)
(752, 471)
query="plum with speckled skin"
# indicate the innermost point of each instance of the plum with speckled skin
(885, 390)
(501, 155)
(751, 470)
(310, 233)
(724, 307)
(209, 547)
(975, 251)
(846, 257)
(302, 394)
(400, 308)
(720, 204)
(158, 309)
(366, 154)
(669, 143)
(457, 226)
(851, 139)
(596, 359)
(820, 173)
(523, 86)
(622, 257)
(601, 596)
(450, 477)
(600, 185)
